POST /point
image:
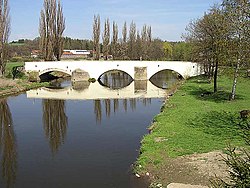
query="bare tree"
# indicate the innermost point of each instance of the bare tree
(124, 47)
(138, 46)
(59, 28)
(149, 43)
(4, 33)
(114, 44)
(52, 26)
(132, 41)
(144, 42)
(106, 39)
(96, 37)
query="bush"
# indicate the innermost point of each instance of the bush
(239, 164)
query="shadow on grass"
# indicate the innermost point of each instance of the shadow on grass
(208, 95)
(201, 79)
(222, 124)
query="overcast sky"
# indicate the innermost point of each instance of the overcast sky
(168, 18)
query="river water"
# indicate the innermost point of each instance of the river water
(71, 136)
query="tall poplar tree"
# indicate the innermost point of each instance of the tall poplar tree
(144, 42)
(106, 39)
(51, 28)
(124, 45)
(4, 33)
(114, 44)
(96, 37)
(59, 27)
(132, 41)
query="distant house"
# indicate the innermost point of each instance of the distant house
(68, 54)
(35, 53)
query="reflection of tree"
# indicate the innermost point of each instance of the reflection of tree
(116, 105)
(132, 104)
(55, 122)
(7, 144)
(125, 104)
(107, 107)
(146, 101)
(98, 110)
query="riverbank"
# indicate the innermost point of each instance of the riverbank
(8, 86)
(11, 87)
(191, 132)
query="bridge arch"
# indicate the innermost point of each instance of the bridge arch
(54, 70)
(165, 69)
(115, 69)
(115, 79)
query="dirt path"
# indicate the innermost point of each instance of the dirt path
(196, 169)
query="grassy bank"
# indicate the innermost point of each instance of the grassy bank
(195, 120)
(8, 86)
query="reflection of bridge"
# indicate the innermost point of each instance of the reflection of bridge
(137, 89)
(138, 70)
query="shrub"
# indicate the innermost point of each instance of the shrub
(239, 164)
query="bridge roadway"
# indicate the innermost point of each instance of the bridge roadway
(137, 89)
(138, 70)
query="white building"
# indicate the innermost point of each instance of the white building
(71, 54)
(77, 52)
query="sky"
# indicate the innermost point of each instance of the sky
(168, 18)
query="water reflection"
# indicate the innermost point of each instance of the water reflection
(55, 122)
(165, 79)
(114, 105)
(115, 79)
(98, 110)
(95, 91)
(8, 145)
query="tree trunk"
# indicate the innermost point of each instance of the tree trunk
(236, 74)
(215, 76)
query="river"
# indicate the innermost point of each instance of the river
(71, 136)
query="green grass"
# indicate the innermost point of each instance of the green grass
(9, 67)
(195, 123)
(19, 85)
(16, 44)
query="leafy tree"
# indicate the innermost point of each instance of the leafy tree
(182, 51)
(237, 15)
(208, 36)
(77, 44)
(168, 50)
(156, 50)
(4, 34)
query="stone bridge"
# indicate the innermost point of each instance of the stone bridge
(138, 70)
